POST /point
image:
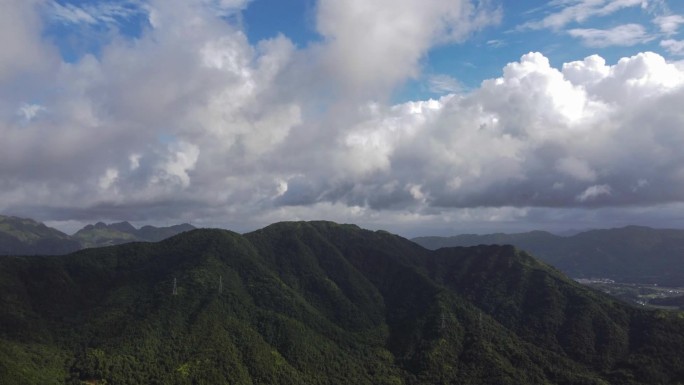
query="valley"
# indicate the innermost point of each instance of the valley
(648, 295)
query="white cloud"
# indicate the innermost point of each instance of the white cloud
(594, 192)
(181, 159)
(108, 12)
(669, 24)
(674, 47)
(622, 35)
(107, 180)
(193, 122)
(533, 137)
(29, 111)
(578, 11)
(441, 84)
(496, 43)
(22, 50)
(227, 6)
(372, 46)
(134, 161)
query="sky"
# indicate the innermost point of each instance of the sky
(421, 117)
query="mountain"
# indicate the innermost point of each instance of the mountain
(156, 234)
(21, 236)
(101, 234)
(525, 241)
(319, 303)
(630, 254)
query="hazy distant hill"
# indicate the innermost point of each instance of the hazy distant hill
(101, 234)
(21, 236)
(628, 254)
(319, 303)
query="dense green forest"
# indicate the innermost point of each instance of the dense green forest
(319, 303)
(635, 254)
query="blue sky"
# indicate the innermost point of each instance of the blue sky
(480, 56)
(417, 116)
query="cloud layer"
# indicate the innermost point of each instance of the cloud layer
(192, 122)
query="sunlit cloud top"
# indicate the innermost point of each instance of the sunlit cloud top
(416, 116)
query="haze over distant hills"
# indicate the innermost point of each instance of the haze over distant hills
(23, 236)
(319, 303)
(629, 254)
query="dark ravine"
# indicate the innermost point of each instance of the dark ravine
(319, 303)
(633, 254)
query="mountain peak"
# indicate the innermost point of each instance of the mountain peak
(124, 227)
(24, 236)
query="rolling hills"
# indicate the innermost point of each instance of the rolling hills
(319, 303)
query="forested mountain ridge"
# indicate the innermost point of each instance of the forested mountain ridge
(319, 303)
(101, 234)
(630, 254)
(23, 236)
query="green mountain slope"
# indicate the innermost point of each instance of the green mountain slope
(319, 303)
(101, 234)
(629, 254)
(21, 236)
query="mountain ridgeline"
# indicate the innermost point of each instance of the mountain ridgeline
(22, 236)
(319, 303)
(630, 254)
(101, 234)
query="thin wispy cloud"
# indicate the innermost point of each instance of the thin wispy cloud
(564, 12)
(441, 84)
(29, 111)
(108, 12)
(622, 35)
(594, 192)
(669, 25)
(675, 47)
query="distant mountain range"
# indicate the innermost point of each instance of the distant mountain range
(100, 234)
(22, 236)
(629, 254)
(319, 303)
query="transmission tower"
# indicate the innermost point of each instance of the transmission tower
(220, 284)
(175, 287)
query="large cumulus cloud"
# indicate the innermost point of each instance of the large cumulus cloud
(180, 114)
(587, 134)
(190, 121)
